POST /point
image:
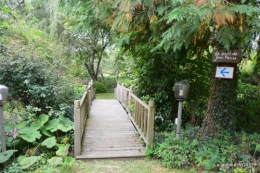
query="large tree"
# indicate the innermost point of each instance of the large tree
(87, 34)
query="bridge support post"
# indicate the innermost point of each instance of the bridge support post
(150, 127)
(77, 138)
(122, 94)
(130, 95)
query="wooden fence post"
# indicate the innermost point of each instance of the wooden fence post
(115, 92)
(129, 95)
(89, 97)
(77, 138)
(150, 126)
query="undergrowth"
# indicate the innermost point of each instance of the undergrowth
(238, 152)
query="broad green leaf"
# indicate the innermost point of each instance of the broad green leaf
(4, 156)
(55, 161)
(52, 125)
(12, 143)
(63, 150)
(62, 123)
(21, 125)
(41, 120)
(8, 127)
(65, 124)
(20, 158)
(46, 132)
(28, 161)
(49, 142)
(29, 134)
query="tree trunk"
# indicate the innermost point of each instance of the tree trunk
(101, 74)
(91, 72)
(221, 104)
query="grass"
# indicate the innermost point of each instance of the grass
(105, 96)
(116, 166)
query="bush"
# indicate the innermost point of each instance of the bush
(248, 114)
(207, 154)
(110, 83)
(34, 83)
(100, 87)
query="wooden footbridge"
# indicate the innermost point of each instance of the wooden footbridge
(119, 128)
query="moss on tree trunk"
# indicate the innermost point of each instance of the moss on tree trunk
(221, 104)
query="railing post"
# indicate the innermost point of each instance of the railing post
(86, 103)
(77, 130)
(129, 95)
(115, 93)
(93, 93)
(89, 100)
(122, 94)
(150, 126)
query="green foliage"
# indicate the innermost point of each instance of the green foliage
(105, 96)
(49, 142)
(4, 156)
(176, 152)
(110, 83)
(206, 154)
(29, 134)
(32, 83)
(131, 106)
(26, 162)
(40, 137)
(14, 168)
(40, 121)
(248, 113)
(154, 77)
(63, 150)
(55, 161)
(61, 123)
(100, 87)
(192, 23)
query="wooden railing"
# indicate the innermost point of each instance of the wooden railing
(81, 112)
(141, 114)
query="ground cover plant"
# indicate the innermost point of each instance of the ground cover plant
(238, 152)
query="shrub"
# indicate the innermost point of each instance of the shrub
(34, 83)
(248, 114)
(207, 154)
(110, 83)
(100, 87)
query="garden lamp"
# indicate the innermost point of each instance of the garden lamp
(181, 90)
(3, 99)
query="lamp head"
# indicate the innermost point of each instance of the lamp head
(3, 94)
(181, 90)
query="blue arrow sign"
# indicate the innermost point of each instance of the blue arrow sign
(223, 72)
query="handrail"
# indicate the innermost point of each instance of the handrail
(81, 112)
(141, 114)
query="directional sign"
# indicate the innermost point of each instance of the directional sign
(224, 72)
(232, 56)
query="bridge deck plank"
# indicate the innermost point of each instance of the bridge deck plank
(109, 133)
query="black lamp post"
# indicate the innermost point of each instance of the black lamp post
(3, 99)
(181, 90)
